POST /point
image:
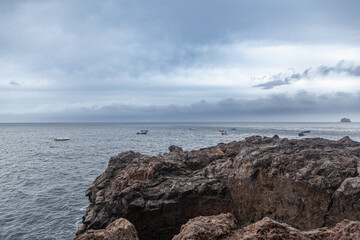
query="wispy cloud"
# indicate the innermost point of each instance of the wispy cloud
(14, 83)
(283, 79)
(342, 67)
(346, 67)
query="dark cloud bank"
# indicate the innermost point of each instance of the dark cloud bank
(302, 106)
(280, 79)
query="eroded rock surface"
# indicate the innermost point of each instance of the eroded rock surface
(308, 183)
(120, 229)
(210, 227)
(223, 227)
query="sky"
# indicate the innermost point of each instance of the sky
(161, 60)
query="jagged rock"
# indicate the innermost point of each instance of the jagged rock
(346, 200)
(174, 148)
(223, 227)
(209, 228)
(308, 183)
(266, 229)
(120, 229)
(292, 181)
(270, 229)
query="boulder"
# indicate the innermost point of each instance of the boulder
(120, 229)
(210, 227)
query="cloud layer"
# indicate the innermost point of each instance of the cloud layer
(65, 56)
(303, 106)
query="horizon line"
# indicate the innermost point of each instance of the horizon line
(69, 122)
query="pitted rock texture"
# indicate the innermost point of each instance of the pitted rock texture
(210, 227)
(308, 183)
(268, 229)
(223, 227)
(120, 229)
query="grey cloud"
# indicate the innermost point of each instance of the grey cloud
(14, 83)
(272, 84)
(343, 66)
(277, 107)
(88, 40)
(283, 79)
(77, 48)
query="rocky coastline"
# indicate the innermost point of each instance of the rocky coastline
(258, 188)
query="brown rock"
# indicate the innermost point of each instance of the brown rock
(223, 227)
(158, 194)
(346, 200)
(308, 183)
(293, 181)
(344, 230)
(211, 227)
(267, 229)
(270, 229)
(120, 229)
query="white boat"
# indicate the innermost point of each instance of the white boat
(61, 139)
(143, 132)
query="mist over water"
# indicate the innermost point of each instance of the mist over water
(42, 182)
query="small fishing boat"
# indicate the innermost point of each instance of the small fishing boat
(301, 134)
(62, 139)
(224, 133)
(142, 131)
(221, 130)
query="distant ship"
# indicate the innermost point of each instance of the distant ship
(345, 120)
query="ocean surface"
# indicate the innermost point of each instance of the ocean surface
(42, 182)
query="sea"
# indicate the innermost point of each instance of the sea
(42, 181)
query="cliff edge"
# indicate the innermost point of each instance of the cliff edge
(307, 183)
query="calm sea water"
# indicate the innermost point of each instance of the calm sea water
(42, 182)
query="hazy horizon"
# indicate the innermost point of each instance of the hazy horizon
(173, 122)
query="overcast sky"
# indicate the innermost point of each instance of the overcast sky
(203, 60)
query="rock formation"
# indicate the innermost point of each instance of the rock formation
(345, 120)
(308, 183)
(120, 229)
(209, 227)
(223, 227)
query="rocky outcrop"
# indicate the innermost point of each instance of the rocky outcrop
(295, 181)
(120, 229)
(308, 183)
(345, 120)
(223, 227)
(209, 228)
